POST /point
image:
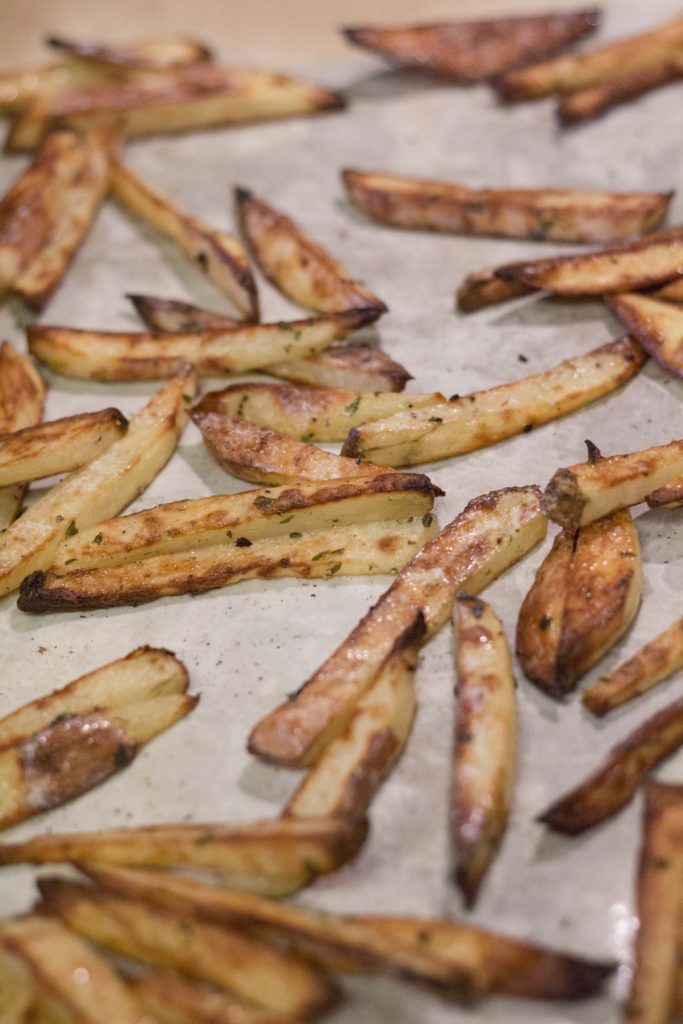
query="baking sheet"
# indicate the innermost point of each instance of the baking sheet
(248, 645)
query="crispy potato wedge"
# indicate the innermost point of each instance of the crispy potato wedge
(544, 214)
(19, 89)
(485, 755)
(312, 414)
(470, 422)
(577, 71)
(668, 496)
(492, 533)
(593, 101)
(112, 355)
(218, 254)
(345, 779)
(656, 324)
(66, 744)
(58, 446)
(672, 292)
(69, 974)
(470, 51)
(263, 456)
(615, 782)
(579, 494)
(159, 54)
(101, 488)
(297, 266)
(172, 998)
(653, 663)
(482, 288)
(219, 954)
(653, 260)
(22, 398)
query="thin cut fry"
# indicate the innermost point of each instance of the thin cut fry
(656, 324)
(22, 397)
(482, 288)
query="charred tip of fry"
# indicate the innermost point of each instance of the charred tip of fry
(593, 452)
(353, 446)
(513, 272)
(557, 820)
(243, 195)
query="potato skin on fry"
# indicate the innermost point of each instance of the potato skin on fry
(594, 101)
(656, 324)
(482, 288)
(159, 54)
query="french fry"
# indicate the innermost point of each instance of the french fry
(593, 101)
(169, 315)
(482, 288)
(218, 254)
(345, 779)
(189, 99)
(270, 978)
(579, 494)
(471, 51)
(656, 324)
(485, 756)
(615, 783)
(112, 355)
(160, 54)
(668, 496)
(652, 261)
(672, 292)
(298, 267)
(58, 446)
(63, 745)
(101, 488)
(172, 998)
(544, 214)
(475, 421)
(653, 663)
(22, 397)
(491, 534)
(269, 857)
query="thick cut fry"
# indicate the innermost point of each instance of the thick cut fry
(222, 955)
(75, 980)
(189, 99)
(171, 998)
(99, 489)
(657, 325)
(58, 446)
(491, 534)
(456, 958)
(577, 71)
(351, 769)
(650, 665)
(615, 783)
(160, 54)
(539, 625)
(483, 418)
(482, 288)
(485, 757)
(470, 51)
(298, 267)
(595, 100)
(217, 253)
(653, 260)
(541, 214)
(587, 491)
(22, 397)
(112, 355)
(271, 857)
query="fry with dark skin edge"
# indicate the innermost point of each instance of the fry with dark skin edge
(594, 101)
(539, 624)
(485, 754)
(670, 292)
(160, 54)
(296, 265)
(22, 398)
(172, 998)
(615, 783)
(649, 666)
(492, 533)
(669, 496)
(656, 324)
(482, 288)
(218, 254)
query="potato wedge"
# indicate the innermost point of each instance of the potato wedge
(653, 663)
(297, 266)
(471, 51)
(652, 261)
(312, 414)
(189, 99)
(159, 54)
(492, 533)
(672, 292)
(22, 398)
(615, 782)
(278, 981)
(113, 355)
(485, 754)
(101, 488)
(656, 324)
(570, 72)
(344, 780)
(58, 446)
(64, 745)
(68, 973)
(172, 998)
(475, 421)
(168, 315)
(668, 496)
(269, 857)
(540, 214)
(593, 101)
(579, 494)
(218, 254)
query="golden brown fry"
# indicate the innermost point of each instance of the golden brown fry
(168, 315)
(656, 324)
(540, 214)
(539, 625)
(593, 101)
(159, 54)
(482, 288)
(492, 533)
(654, 662)
(218, 254)
(22, 397)
(298, 267)
(475, 421)
(671, 292)
(615, 783)
(470, 51)
(172, 998)
(669, 496)
(485, 757)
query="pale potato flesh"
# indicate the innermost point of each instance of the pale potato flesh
(22, 397)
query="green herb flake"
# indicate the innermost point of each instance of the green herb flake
(287, 520)
(71, 529)
(352, 407)
(187, 399)
(334, 569)
(435, 419)
(98, 538)
(70, 561)
(262, 501)
(321, 554)
(295, 534)
(427, 519)
(544, 622)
